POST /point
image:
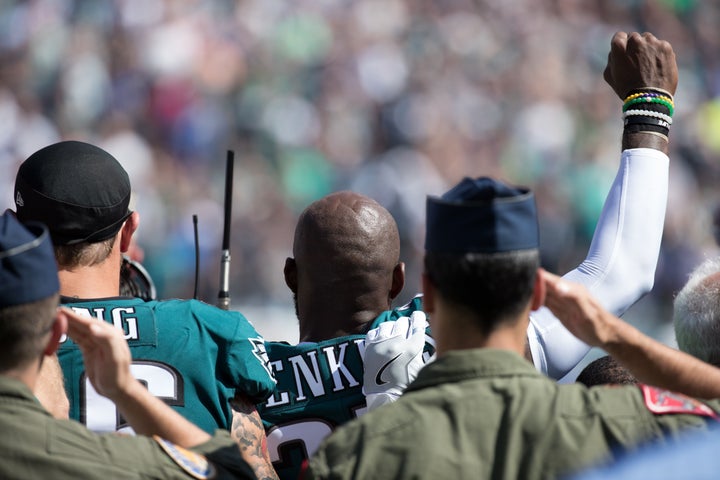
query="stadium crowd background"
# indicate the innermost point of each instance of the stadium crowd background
(391, 98)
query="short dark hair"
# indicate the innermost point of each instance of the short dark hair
(605, 371)
(495, 287)
(23, 331)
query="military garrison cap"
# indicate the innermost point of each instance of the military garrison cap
(28, 271)
(481, 215)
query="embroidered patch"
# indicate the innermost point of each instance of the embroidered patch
(193, 463)
(662, 401)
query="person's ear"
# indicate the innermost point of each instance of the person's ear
(58, 329)
(539, 290)
(428, 300)
(290, 272)
(127, 231)
(398, 280)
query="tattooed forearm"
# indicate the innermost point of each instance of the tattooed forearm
(248, 432)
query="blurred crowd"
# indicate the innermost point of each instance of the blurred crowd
(392, 98)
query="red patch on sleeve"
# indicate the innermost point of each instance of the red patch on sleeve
(661, 401)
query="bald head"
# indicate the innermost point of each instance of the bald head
(346, 267)
(345, 233)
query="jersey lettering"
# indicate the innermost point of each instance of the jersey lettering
(337, 367)
(122, 317)
(307, 370)
(284, 399)
(122, 320)
(360, 344)
(213, 354)
(302, 371)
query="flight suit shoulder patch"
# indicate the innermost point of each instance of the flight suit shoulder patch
(194, 464)
(660, 401)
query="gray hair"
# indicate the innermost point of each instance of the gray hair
(696, 313)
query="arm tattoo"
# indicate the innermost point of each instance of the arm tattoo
(247, 430)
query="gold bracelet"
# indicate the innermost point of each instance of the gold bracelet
(664, 137)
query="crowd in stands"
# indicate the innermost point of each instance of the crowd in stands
(391, 98)
(397, 101)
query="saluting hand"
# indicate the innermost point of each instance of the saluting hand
(579, 311)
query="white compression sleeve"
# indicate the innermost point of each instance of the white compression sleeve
(620, 266)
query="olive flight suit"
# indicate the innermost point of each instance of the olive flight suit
(487, 413)
(33, 444)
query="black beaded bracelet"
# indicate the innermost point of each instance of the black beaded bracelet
(652, 107)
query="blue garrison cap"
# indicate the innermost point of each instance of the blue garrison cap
(28, 271)
(482, 215)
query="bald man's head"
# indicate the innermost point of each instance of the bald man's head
(346, 268)
(344, 234)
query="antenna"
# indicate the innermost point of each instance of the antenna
(197, 255)
(224, 294)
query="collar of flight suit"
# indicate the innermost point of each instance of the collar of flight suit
(14, 390)
(459, 365)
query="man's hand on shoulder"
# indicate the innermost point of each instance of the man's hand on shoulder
(393, 358)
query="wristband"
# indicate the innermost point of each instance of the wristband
(647, 113)
(637, 119)
(647, 128)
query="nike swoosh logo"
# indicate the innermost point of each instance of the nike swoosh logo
(378, 380)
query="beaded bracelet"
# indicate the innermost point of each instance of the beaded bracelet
(651, 90)
(650, 99)
(639, 94)
(651, 107)
(648, 110)
(646, 121)
(647, 113)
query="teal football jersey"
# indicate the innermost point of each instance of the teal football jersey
(192, 355)
(319, 386)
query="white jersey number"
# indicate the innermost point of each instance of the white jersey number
(99, 414)
(308, 433)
